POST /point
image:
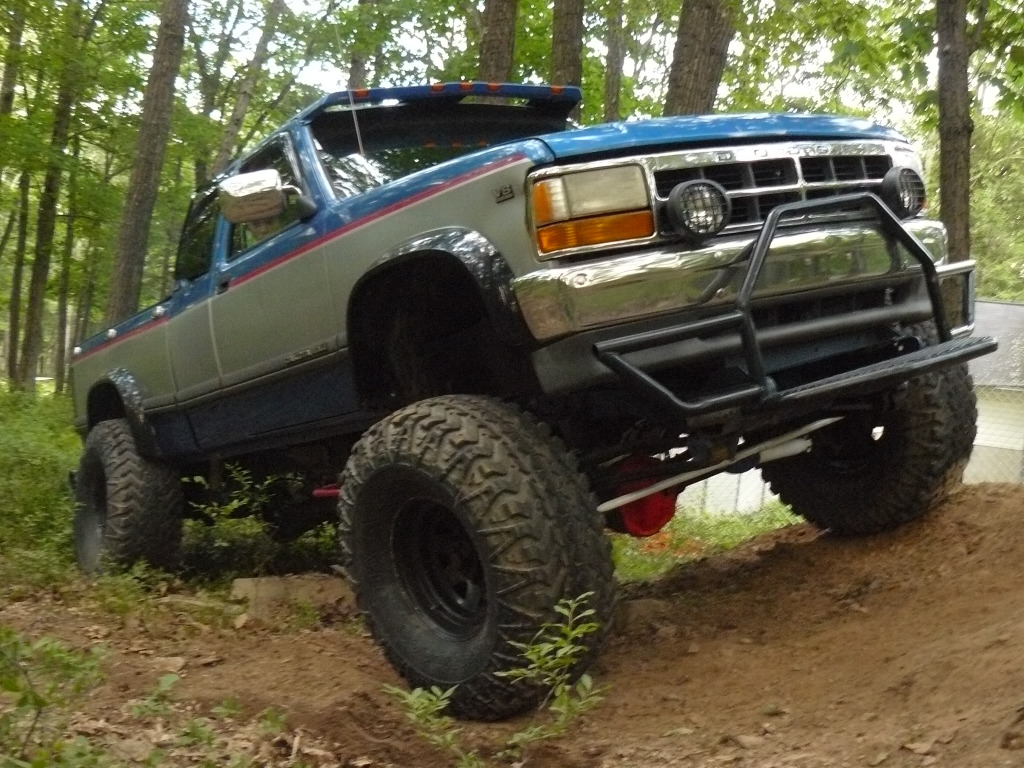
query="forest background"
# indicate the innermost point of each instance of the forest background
(112, 113)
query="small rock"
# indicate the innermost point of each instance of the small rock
(680, 731)
(930, 760)
(773, 710)
(209, 661)
(693, 649)
(241, 620)
(749, 742)
(169, 663)
(666, 632)
(920, 747)
(878, 759)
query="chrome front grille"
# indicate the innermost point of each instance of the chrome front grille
(759, 178)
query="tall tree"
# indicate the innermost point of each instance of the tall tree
(497, 46)
(233, 127)
(705, 30)
(567, 42)
(955, 125)
(144, 181)
(614, 61)
(79, 31)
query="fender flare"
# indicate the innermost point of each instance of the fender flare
(122, 385)
(483, 262)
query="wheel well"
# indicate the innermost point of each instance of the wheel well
(420, 328)
(104, 403)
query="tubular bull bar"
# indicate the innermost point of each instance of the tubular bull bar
(762, 392)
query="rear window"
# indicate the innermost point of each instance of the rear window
(400, 139)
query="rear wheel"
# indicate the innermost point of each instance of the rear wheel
(872, 472)
(127, 508)
(463, 523)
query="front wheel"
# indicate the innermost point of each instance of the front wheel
(872, 472)
(127, 508)
(463, 523)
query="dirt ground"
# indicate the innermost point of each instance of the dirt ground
(797, 649)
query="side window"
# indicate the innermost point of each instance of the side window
(195, 249)
(245, 236)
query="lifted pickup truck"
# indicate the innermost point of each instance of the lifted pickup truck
(506, 336)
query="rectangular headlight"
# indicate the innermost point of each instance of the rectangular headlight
(585, 208)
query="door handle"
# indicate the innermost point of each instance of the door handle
(223, 285)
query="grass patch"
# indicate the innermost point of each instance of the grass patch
(37, 450)
(690, 535)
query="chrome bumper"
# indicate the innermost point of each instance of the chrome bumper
(565, 300)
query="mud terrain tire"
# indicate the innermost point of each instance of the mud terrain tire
(463, 522)
(127, 508)
(854, 481)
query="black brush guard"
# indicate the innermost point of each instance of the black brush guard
(762, 391)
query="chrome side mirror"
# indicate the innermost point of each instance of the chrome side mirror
(252, 196)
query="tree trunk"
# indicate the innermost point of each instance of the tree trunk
(226, 150)
(80, 31)
(12, 59)
(359, 57)
(211, 73)
(60, 357)
(9, 78)
(955, 126)
(702, 45)
(144, 181)
(498, 43)
(613, 63)
(17, 277)
(567, 45)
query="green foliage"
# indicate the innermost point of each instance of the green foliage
(548, 663)
(158, 702)
(425, 709)
(38, 682)
(551, 658)
(37, 450)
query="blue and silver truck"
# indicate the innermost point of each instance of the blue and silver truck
(481, 337)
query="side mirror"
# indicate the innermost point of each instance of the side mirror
(258, 195)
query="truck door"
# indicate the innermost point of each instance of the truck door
(274, 319)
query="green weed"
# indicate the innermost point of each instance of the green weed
(550, 658)
(39, 681)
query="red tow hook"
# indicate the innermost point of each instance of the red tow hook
(327, 492)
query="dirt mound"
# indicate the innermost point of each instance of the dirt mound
(797, 649)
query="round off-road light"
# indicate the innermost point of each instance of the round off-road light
(698, 209)
(903, 191)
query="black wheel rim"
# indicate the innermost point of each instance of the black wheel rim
(851, 446)
(439, 567)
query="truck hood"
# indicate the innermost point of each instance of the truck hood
(708, 130)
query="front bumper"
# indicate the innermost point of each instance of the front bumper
(723, 326)
(582, 297)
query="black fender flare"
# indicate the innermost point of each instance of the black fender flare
(483, 262)
(118, 394)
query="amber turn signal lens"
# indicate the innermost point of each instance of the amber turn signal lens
(595, 230)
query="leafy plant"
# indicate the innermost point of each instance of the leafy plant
(425, 709)
(158, 702)
(38, 681)
(550, 659)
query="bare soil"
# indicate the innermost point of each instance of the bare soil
(796, 649)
